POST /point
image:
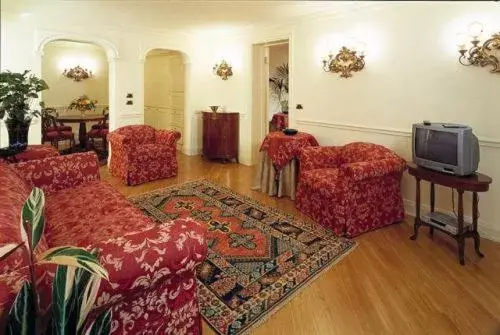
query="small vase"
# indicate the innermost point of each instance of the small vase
(214, 108)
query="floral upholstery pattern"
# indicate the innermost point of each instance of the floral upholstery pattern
(57, 173)
(140, 153)
(152, 287)
(32, 152)
(351, 189)
(282, 148)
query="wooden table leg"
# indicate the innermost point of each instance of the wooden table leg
(82, 134)
(417, 223)
(460, 235)
(475, 216)
(433, 201)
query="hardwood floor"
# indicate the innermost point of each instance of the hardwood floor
(387, 285)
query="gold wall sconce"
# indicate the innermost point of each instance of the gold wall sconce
(223, 70)
(77, 73)
(345, 61)
(479, 54)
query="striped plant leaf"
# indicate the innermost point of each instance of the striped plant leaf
(102, 324)
(22, 315)
(32, 218)
(87, 299)
(73, 256)
(8, 249)
(62, 305)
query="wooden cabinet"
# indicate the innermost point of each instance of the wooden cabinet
(221, 134)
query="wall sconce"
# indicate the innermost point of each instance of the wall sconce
(345, 61)
(223, 70)
(77, 73)
(478, 55)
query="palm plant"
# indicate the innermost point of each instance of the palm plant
(279, 85)
(75, 286)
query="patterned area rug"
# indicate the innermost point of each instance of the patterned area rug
(258, 258)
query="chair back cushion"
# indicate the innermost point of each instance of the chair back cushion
(138, 134)
(364, 152)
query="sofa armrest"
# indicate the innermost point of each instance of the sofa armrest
(167, 137)
(56, 173)
(372, 169)
(140, 260)
(319, 158)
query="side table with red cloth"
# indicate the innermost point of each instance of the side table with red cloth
(32, 152)
(279, 121)
(277, 174)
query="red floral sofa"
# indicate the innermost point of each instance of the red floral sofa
(152, 287)
(351, 189)
(140, 153)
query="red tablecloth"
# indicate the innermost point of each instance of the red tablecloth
(282, 148)
(280, 121)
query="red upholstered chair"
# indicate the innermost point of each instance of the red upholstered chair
(54, 133)
(49, 111)
(141, 153)
(101, 131)
(351, 189)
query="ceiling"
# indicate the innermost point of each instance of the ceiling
(184, 15)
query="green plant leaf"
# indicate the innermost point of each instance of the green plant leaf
(73, 256)
(86, 296)
(33, 218)
(8, 249)
(102, 324)
(62, 304)
(22, 315)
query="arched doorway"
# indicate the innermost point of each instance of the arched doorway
(76, 72)
(164, 90)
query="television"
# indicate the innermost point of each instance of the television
(445, 147)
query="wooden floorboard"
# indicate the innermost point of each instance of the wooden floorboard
(387, 285)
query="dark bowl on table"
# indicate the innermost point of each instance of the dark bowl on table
(290, 131)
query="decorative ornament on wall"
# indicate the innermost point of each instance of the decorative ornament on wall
(223, 70)
(77, 73)
(345, 62)
(485, 54)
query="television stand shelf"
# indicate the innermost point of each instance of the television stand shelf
(475, 183)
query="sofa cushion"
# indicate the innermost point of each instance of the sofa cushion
(91, 212)
(138, 134)
(364, 152)
(14, 191)
(151, 152)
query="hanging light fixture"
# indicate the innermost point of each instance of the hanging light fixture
(77, 73)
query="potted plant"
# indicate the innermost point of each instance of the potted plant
(74, 289)
(17, 93)
(279, 86)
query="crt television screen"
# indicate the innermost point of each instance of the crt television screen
(437, 146)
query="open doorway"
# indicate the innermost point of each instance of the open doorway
(270, 91)
(76, 104)
(164, 90)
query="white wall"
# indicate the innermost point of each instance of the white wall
(412, 74)
(63, 90)
(278, 55)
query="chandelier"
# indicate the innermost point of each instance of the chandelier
(77, 73)
(477, 54)
(344, 62)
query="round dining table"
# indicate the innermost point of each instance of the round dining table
(82, 120)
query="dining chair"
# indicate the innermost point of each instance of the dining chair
(50, 111)
(53, 134)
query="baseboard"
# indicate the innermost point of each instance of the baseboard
(485, 230)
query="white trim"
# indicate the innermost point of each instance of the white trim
(485, 230)
(483, 141)
(131, 115)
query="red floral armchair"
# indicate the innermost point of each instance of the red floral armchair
(141, 153)
(151, 266)
(351, 189)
